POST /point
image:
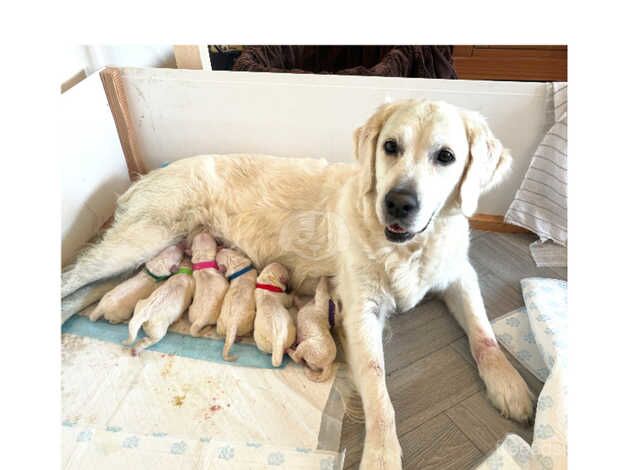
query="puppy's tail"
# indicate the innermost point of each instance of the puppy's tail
(229, 340)
(135, 324)
(278, 350)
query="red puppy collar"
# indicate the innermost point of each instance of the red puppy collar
(205, 265)
(269, 287)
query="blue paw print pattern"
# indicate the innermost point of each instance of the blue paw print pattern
(544, 431)
(495, 462)
(159, 434)
(253, 444)
(546, 462)
(505, 338)
(85, 436)
(545, 403)
(524, 355)
(327, 464)
(178, 448)
(543, 372)
(303, 450)
(113, 429)
(226, 452)
(205, 440)
(131, 442)
(520, 451)
(519, 340)
(276, 458)
(67, 423)
(546, 300)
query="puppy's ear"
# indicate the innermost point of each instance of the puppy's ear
(487, 164)
(364, 145)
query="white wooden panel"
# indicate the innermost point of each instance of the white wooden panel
(93, 169)
(178, 113)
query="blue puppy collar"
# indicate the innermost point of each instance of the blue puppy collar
(240, 272)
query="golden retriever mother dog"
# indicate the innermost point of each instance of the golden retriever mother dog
(387, 230)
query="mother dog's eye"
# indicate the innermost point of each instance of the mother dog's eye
(391, 147)
(445, 156)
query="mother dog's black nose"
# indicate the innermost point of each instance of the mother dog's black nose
(401, 204)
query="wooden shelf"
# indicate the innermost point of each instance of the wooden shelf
(517, 63)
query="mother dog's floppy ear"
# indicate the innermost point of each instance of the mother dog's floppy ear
(364, 142)
(487, 164)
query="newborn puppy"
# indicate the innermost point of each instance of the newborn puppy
(164, 306)
(211, 285)
(315, 344)
(238, 307)
(117, 305)
(274, 330)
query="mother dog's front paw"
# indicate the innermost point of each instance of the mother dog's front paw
(505, 388)
(381, 454)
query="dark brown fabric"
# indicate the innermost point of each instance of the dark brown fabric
(384, 61)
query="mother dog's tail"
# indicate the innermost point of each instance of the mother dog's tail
(151, 215)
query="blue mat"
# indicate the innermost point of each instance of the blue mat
(204, 349)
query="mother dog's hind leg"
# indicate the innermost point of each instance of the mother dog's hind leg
(124, 246)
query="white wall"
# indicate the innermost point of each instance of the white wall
(93, 169)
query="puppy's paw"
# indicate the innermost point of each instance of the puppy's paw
(505, 388)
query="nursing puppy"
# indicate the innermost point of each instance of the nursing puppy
(316, 346)
(117, 305)
(164, 306)
(237, 313)
(210, 284)
(274, 330)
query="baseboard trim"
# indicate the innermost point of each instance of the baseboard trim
(494, 223)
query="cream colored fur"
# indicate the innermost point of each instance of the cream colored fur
(161, 309)
(117, 305)
(274, 331)
(316, 346)
(210, 285)
(321, 219)
(237, 313)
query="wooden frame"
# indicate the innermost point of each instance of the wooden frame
(494, 223)
(194, 57)
(116, 97)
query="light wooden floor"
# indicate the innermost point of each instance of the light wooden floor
(444, 420)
